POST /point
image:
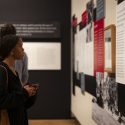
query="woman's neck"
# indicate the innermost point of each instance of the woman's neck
(9, 61)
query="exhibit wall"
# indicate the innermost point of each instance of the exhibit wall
(81, 105)
(44, 26)
(97, 75)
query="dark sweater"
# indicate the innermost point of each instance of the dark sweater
(12, 96)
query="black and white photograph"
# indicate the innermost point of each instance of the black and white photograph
(89, 33)
(105, 105)
(90, 8)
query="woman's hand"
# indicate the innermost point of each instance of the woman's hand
(31, 90)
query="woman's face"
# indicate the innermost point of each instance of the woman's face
(18, 51)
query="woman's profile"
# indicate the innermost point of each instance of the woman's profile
(13, 96)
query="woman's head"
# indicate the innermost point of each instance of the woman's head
(11, 45)
(7, 29)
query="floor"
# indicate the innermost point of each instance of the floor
(54, 122)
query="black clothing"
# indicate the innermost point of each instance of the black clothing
(12, 96)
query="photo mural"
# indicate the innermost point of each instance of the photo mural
(99, 61)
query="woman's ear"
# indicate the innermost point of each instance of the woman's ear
(11, 53)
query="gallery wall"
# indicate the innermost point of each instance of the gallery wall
(81, 103)
(53, 100)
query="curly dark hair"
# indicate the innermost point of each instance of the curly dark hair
(7, 43)
(7, 29)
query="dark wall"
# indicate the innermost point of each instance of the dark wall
(54, 95)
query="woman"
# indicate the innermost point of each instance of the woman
(12, 95)
(21, 65)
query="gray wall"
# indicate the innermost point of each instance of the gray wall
(53, 99)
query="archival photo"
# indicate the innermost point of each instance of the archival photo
(105, 105)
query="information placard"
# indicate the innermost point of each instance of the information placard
(43, 56)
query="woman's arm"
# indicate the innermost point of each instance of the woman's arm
(13, 99)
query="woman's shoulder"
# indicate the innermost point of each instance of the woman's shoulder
(3, 71)
(2, 64)
(3, 67)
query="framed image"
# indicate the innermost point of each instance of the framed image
(110, 48)
(43, 55)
